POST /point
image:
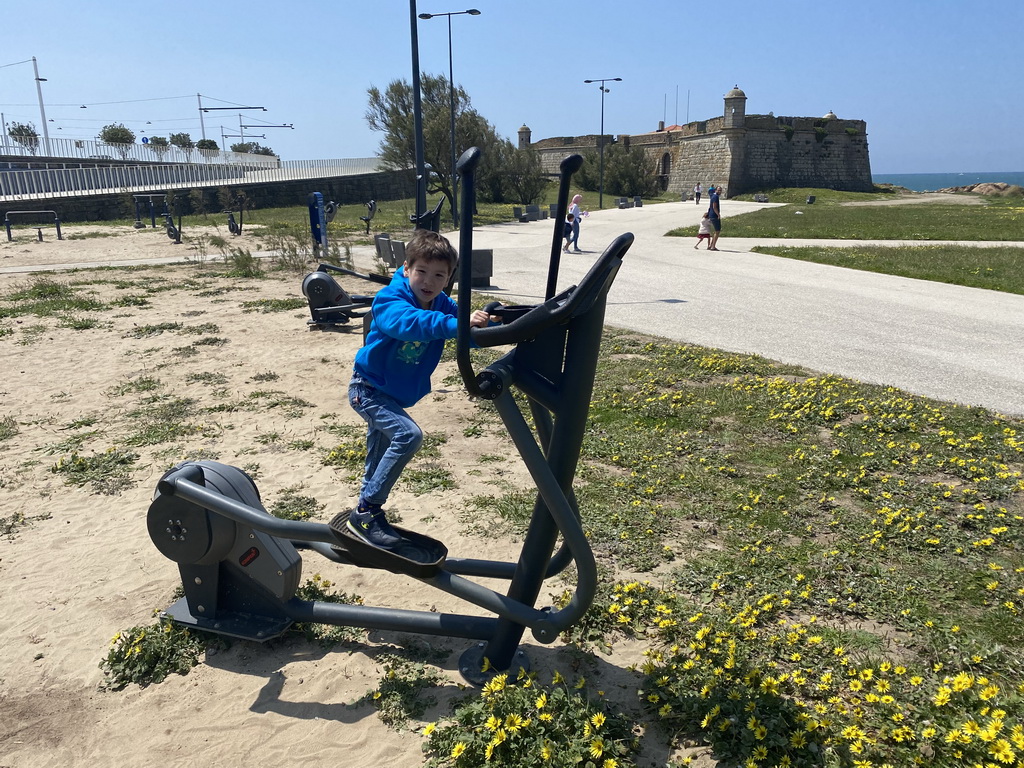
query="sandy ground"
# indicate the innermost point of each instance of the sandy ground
(81, 566)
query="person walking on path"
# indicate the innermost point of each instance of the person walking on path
(696, 193)
(704, 232)
(715, 214)
(574, 212)
(567, 231)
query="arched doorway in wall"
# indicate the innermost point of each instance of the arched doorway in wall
(664, 170)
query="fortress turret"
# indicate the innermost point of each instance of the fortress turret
(735, 108)
(524, 137)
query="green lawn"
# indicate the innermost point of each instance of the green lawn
(998, 269)
(994, 219)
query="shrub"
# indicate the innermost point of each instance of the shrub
(144, 655)
(521, 723)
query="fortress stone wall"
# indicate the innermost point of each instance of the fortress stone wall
(739, 152)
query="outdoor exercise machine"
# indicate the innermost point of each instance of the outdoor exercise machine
(151, 200)
(330, 305)
(39, 231)
(240, 566)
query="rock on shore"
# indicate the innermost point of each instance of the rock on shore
(989, 188)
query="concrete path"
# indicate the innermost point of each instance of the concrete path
(932, 339)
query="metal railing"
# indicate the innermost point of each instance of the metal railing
(122, 179)
(86, 149)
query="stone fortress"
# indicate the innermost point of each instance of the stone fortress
(737, 151)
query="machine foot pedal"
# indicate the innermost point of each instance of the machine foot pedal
(415, 555)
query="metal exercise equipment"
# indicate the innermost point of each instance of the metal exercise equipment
(240, 566)
(150, 199)
(39, 231)
(331, 305)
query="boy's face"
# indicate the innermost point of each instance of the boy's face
(427, 279)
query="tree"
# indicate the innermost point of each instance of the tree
(627, 172)
(183, 142)
(521, 174)
(122, 138)
(26, 135)
(252, 148)
(391, 112)
(159, 145)
(207, 148)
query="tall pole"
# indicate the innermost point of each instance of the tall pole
(451, 103)
(202, 125)
(417, 116)
(600, 139)
(600, 182)
(42, 112)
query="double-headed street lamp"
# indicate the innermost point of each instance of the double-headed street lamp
(451, 86)
(600, 139)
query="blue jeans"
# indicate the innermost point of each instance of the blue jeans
(392, 439)
(574, 238)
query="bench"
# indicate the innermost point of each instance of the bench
(371, 211)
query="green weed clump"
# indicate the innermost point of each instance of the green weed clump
(147, 655)
(107, 473)
(403, 691)
(517, 723)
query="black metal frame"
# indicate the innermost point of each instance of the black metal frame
(240, 566)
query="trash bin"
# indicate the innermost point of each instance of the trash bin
(810, 199)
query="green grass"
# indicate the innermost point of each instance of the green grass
(994, 219)
(997, 269)
(799, 195)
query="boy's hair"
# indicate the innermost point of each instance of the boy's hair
(425, 245)
(570, 216)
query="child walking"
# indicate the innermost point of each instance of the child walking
(704, 231)
(412, 318)
(567, 231)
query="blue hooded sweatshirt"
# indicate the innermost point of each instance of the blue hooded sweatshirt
(405, 341)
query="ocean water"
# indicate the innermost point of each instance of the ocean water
(922, 182)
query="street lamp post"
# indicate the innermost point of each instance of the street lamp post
(42, 112)
(600, 139)
(451, 101)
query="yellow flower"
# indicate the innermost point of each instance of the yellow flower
(546, 752)
(458, 749)
(597, 747)
(598, 720)
(429, 729)
(542, 701)
(610, 763)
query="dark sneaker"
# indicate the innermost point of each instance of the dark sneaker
(373, 528)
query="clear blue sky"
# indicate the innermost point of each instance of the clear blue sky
(938, 81)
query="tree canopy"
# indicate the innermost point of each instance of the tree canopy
(25, 134)
(391, 112)
(119, 136)
(182, 141)
(252, 148)
(627, 172)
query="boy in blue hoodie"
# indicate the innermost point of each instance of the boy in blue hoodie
(412, 318)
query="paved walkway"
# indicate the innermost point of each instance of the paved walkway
(938, 340)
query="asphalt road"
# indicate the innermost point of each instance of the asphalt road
(943, 341)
